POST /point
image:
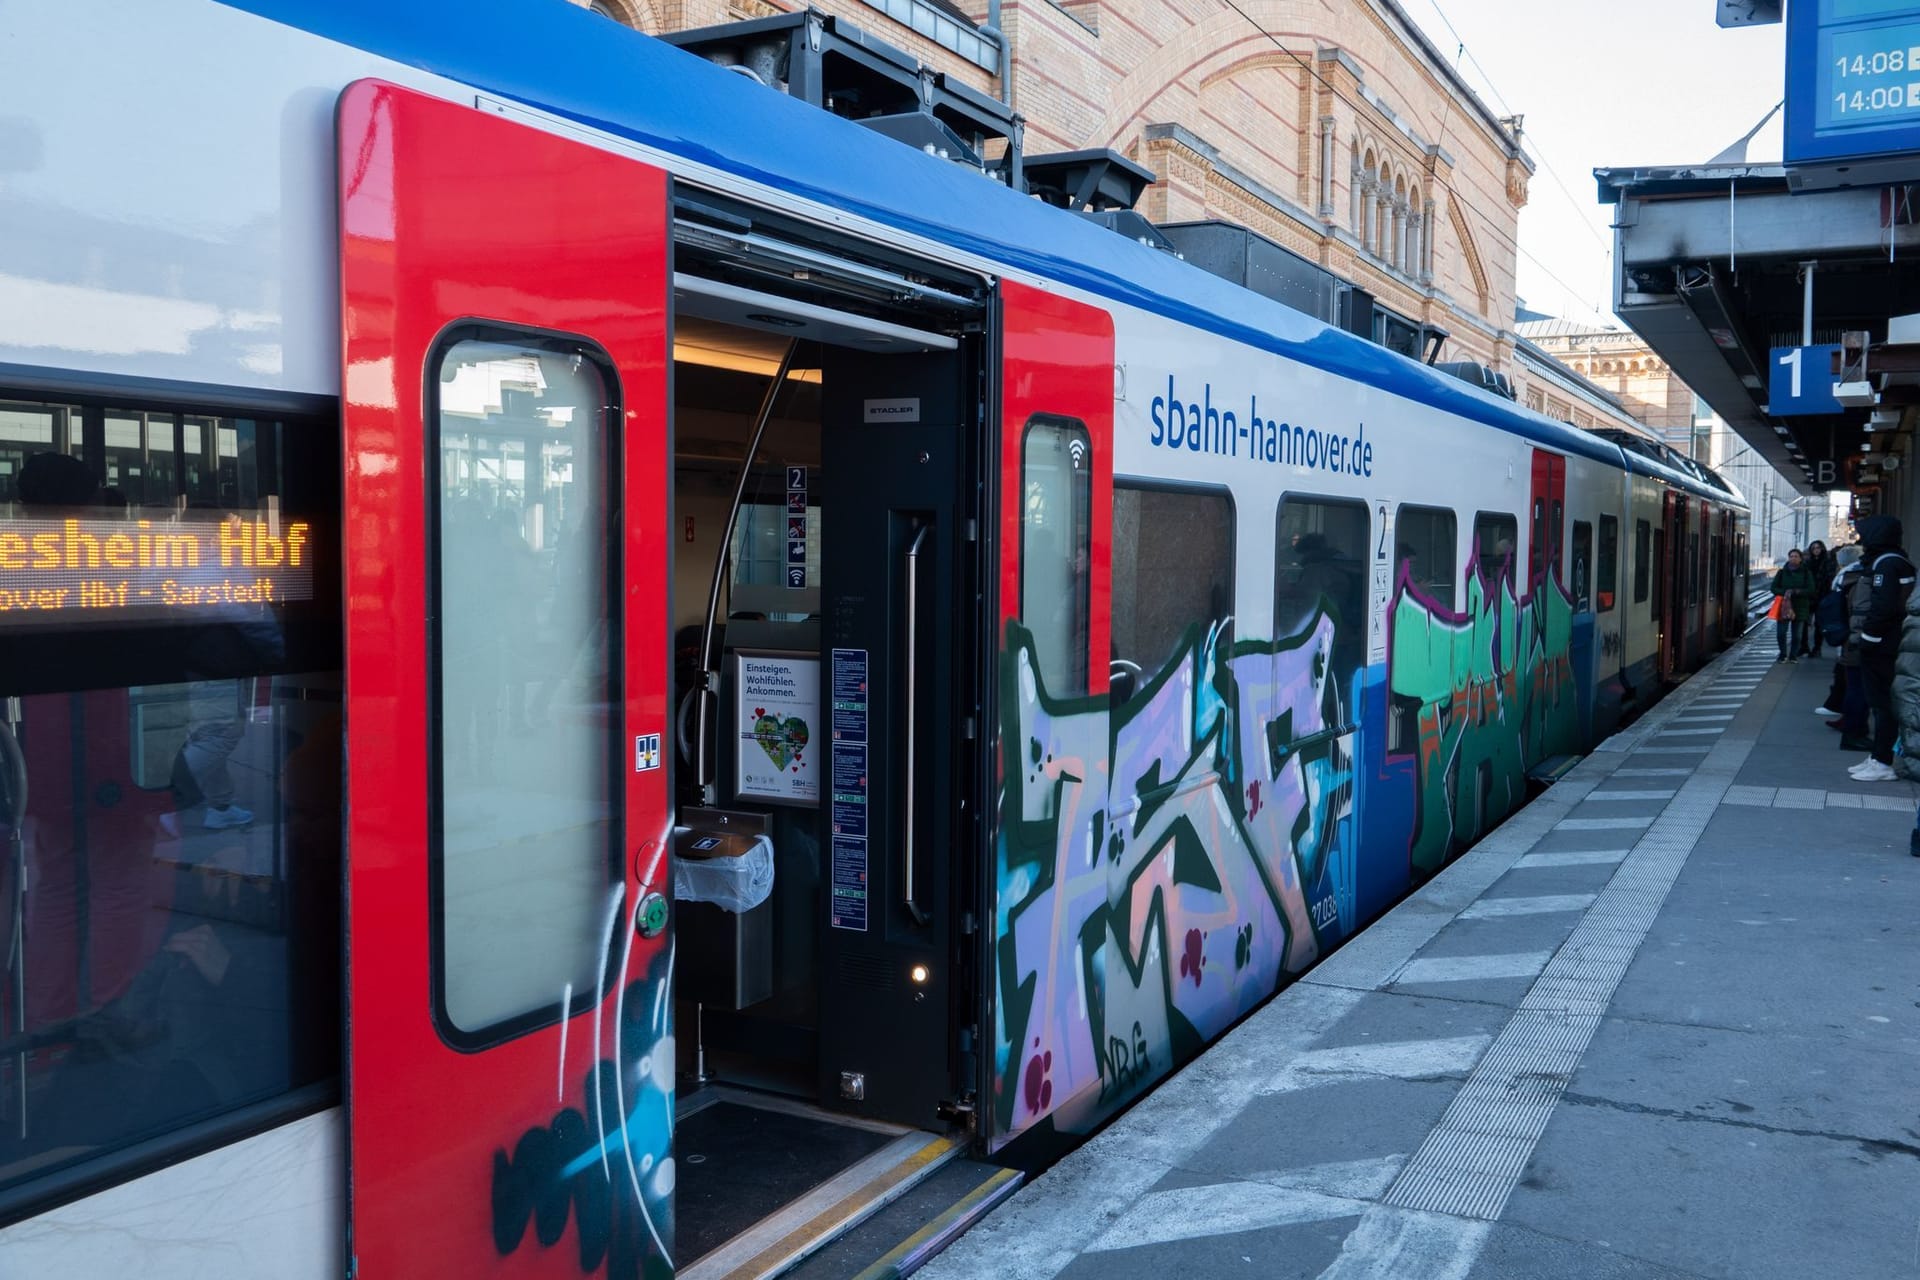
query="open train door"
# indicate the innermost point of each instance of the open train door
(505, 310)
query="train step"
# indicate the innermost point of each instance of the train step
(769, 1181)
(902, 1237)
(1552, 769)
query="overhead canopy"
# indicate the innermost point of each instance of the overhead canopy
(1708, 270)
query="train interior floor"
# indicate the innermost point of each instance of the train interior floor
(1662, 1023)
(741, 1158)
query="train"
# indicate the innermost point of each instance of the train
(554, 599)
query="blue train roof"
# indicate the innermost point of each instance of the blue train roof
(574, 63)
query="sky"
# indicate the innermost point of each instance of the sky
(1604, 84)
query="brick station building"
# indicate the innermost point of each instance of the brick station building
(1334, 128)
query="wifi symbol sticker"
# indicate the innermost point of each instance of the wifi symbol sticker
(1077, 450)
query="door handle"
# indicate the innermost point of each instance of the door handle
(909, 898)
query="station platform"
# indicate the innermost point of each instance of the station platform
(1665, 1022)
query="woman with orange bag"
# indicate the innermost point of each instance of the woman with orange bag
(1793, 589)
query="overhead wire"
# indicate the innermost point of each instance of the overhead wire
(1494, 91)
(1573, 293)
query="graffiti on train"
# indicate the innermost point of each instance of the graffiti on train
(1156, 862)
(1166, 857)
(605, 1162)
(1482, 695)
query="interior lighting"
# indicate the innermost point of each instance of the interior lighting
(737, 361)
(920, 974)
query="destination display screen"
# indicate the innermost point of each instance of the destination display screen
(1853, 78)
(75, 569)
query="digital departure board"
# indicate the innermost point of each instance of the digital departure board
(76, 569)
(1853, 80)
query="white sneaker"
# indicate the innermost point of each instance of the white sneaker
(1826, 711)
(231, 816)
(1861, 764)
(1876, 773)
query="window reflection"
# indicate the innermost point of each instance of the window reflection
(527, 822)
(169, 795)
(161, 960)
(1056, 539)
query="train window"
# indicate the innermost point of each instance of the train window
(1324, 549)
(1642, 559)
(523, 797)
(1172, 569)
(170, 745)
(1659, 572)
(1495, 535)
(1056, 545)
(1543, 537)
(1582, 583)
(1426, 538)
(1607, 566)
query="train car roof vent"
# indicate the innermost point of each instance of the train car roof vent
(925, 133)
(1133, 226)
(1250, 260)
(1479, 375)
(834, 65)
(1098, 181)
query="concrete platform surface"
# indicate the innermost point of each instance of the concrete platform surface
(1665, 1022)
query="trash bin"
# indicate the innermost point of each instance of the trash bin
(724, 926)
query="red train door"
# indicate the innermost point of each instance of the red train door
(1057, 398)
(1547, 515)
(1673, 595)
(505, 312)
(1056, 664)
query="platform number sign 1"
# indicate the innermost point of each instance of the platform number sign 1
(1382, 581)
(796, 528)
(1801, 381)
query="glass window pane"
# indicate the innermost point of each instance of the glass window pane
(1055, 549)
(1322, 568)
(1495, 534)
(1608, 564)
(170, 746)
(528, 822)
(1642, 557)
(1172, 569)
(1582, 568)
(1659, 571)
(1426, 538)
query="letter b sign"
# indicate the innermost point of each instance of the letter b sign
(1823, 471)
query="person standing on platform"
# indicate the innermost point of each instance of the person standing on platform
(1822, 565)
(1890, 576)
(1830, 625)
(1854, 586)
(1793, 587)
(1906, 702)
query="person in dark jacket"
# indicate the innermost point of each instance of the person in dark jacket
(1906, 702)
(1793, 585)
(1823, 566)
(1890, 576)
(1848, 701)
